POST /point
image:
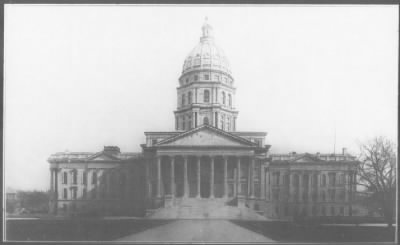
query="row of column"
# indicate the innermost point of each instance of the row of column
(311, 188)
(212, 173)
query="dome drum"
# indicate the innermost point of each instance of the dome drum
(206, 76)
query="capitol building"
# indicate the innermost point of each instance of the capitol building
(206, 168)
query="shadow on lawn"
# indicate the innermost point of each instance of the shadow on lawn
(290, 232)
(75, 229)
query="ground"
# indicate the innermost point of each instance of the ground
(198, 231)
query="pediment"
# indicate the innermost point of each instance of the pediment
(307, 158)
(101, 156)
(206, 136)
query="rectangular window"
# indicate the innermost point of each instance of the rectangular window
(84, 193)
(74, 177)
(65, 178)
(84, 178)
(94, 178)
(332, 179)
(206, 77)
(65, 193)
(74, 196)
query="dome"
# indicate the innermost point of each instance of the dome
(206, 55)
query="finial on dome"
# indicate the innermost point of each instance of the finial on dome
(207, 30)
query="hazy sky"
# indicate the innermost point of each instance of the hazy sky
(81, 77)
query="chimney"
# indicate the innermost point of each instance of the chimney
(344, 151)
(111, 150)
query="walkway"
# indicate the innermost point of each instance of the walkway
(197, 231)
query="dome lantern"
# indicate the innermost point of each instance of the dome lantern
(207, 31)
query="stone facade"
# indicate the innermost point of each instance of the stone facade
(206, 162)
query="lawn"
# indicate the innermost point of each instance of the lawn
(75, 229)
(289, 232)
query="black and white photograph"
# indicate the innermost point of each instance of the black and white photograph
(200, 123)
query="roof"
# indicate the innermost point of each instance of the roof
(67, 157)
(311, 158)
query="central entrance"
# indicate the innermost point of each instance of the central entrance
(205, 177)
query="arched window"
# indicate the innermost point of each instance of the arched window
(190, 98)
(230, 99)
(65, 178)
(206, 96)
(94, 178)
(223, 98)
(183, 99)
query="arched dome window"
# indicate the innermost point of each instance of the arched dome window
(206, 96)
(183, 99)
(190, 98)
(230, 99)
(223, 98)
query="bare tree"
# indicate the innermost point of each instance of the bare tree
(377, 173)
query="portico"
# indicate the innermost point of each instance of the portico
(205, 176)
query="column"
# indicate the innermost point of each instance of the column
(185, 177)
(212, 178)
(198, 177)
(173, 176)
(147, 179)
(239, 188)
(310, 186)
(193, 120)
(52, 182)
(225, 176)
(56, 190)
(262, 182)
(301, 186)
(252, 178)
(158, 176)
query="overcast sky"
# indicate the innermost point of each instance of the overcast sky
(81, 77)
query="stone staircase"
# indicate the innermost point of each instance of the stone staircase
(193, 208)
